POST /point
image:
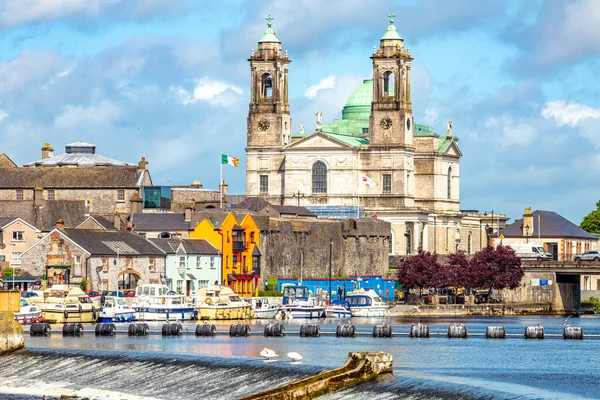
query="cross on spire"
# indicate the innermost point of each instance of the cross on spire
(391, 15)
(269, 20)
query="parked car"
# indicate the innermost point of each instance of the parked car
(129, 292)
(116, 293)
(92, 293)
(26, 295)
(591, 255)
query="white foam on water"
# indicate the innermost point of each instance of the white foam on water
(56, 389)
(500, 387)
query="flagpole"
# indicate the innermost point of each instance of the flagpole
(221, 185)
(357, 197)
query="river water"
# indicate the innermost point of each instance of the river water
(221, 367)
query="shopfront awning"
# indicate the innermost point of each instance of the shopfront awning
(191, 277)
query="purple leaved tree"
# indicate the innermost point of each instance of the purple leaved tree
(456, 271)
(498, 268)
(419, 271)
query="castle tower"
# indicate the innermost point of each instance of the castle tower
(391, 114)
(269, 121)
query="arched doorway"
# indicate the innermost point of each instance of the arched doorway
(128, 279)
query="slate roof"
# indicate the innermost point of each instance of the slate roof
(294, 210)
(160, 222)
(216, 218)
(106, 243)
(551, 224)
(78, 154)
(6, 220)
(73, 212)
(256, 204)
(82, 177)
(6, 162)
(191, 246)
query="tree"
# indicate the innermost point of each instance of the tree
(7, 271)
(591, 222)
(498, 268)
(419, 271)
(456, 271)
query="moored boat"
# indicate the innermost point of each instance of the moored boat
(263, 308)
(63, 303)
(298, 303)
(114, 309)
(28, 313)
(152, 302)
(216, 302)
(338, 309)
(367, 304)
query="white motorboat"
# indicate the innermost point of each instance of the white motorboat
(298, 303)
(262, 308)
(28, 313)
(338, 309)
(114, 309)
(152, 302)
(367, 304)
(64, 303)
(216, 302)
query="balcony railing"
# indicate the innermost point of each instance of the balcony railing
(238, 246)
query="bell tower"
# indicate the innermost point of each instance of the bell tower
(269, 121)
(391, 123)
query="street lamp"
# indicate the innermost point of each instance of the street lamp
(298, 195)
(330, 268)
(487, 234)
(526, 233)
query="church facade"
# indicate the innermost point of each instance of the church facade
(374, 162)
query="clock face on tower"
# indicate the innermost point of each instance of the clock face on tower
(386, 123)
(408, 124)
(264, 124)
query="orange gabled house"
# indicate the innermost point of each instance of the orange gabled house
(238, 243)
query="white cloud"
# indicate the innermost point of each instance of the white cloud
(568, 113)
(215, 92)
(77, 116)
(26, 69)
(513, 132)
(14, 12)
(3, 115)
(325, 83)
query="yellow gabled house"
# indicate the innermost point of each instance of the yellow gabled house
(238, 243)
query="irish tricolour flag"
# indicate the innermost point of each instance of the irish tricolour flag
(234, 162)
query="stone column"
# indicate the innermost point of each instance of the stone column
(425, 236)
(416, 231)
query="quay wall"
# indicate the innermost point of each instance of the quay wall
(11, 333)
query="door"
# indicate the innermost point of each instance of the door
(553, 249)
(187, 287)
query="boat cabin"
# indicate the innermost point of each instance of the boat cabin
(291, 293)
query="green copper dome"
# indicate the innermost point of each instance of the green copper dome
(391, 33)
(269, 35)
(358, 105)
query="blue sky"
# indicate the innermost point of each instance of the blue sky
(168, 79)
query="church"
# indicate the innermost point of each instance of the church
(375, 162)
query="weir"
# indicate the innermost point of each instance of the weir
(360, 367)
(11, 333)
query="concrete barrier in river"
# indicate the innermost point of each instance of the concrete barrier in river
(360, 367)
(11, 333)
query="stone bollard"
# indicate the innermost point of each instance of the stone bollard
(11, 333)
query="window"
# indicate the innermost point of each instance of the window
(179, 286)
(244, 262)
(152, 264)
(365, 131)
(267, 86)
(251, 237)
(226, 261)
(182, 262)
(387, 183)
(388, 83)
(103, 285)
(77, 265)
(202, 284)
(105, 264)
(120, 195)
(50, 193)
(449, 182)
(16, 258)
(212, 262)
(198, 265)
(319, 177)
(19, 194)
(18, 236)
(170, 284)
(264, 184)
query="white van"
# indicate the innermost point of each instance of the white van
(531, 250)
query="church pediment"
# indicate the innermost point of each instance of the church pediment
(318, 141)
(451, 150)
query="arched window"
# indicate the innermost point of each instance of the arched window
(388, 83)
(164, 235)
(319, 177)
(469, 244)
(449, 182)
(266, 86)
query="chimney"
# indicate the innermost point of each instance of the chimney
(188, 214)
(60, 224)
(197, 184)
(528, 223)
(117, 221)
(38, 196)
(136, 205)
(47, 151)
(224, 192)
(176, 235)
(143, 164)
